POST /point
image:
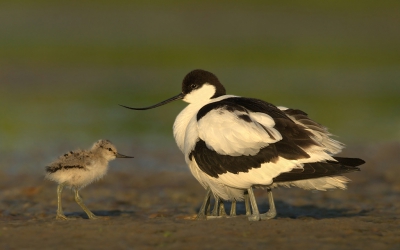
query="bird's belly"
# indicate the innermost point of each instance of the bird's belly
(77, 178)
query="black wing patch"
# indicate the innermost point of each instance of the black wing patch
(321, 169)
(214, 164)
(242, 104)
(353, 162)
(53, 169)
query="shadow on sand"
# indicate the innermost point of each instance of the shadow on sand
(100, 213)
(286, 210)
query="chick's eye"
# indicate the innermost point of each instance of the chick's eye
(109, 149)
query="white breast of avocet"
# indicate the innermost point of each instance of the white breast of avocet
(185, 125)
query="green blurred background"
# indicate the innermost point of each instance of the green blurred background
(65, 67)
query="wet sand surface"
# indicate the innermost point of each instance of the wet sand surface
(147, 209)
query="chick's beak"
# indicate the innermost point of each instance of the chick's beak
(123, 156)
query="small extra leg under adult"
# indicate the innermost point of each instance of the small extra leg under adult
(233, 209)
(247, 203)
(215, 210)
(202, 215)
(222, 211)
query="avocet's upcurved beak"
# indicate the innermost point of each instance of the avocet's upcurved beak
(123, 156)
(177, 97)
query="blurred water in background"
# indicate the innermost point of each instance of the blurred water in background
(65, 67)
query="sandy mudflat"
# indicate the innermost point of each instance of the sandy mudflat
(155, 209)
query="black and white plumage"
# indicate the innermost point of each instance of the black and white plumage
(77, 169)
(232, 144)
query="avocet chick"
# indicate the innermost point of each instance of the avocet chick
(77, 169)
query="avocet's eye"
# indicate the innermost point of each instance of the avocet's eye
(193, 86)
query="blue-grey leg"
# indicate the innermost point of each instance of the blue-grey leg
(216, 207)
(222, 211)
(256, 214)
(205, 206)
(272, 211)
(60, 214)
(78, 200)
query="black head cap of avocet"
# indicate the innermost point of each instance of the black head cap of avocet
(197, 86)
